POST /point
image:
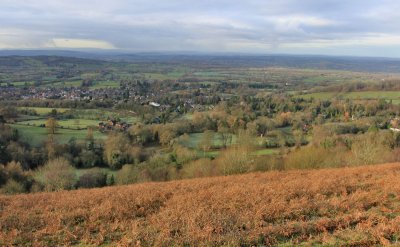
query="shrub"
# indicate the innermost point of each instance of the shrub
(89, 158)
(57, 174)
(14, 178)
(184, 155)
(92, 178)
(309, 157)
(13, 187)
(235, 160)
(262, 164)
(199, 168)
(3, 175)
(158, 168)
(116, 151)
(14, 171)
(371, 148)
(128, 174)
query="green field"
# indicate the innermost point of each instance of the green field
(105, 84)
(87, 117)
(21, 83)
(76, 83)
(68, 123)
(44, 110)
(195, 138)
(36, 135)
(368, 95)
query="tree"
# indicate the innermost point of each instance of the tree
(77, 123)
(298, 137)
(234, 160)
(225, 135)
(51, 125)
(13, 187)
(246, 140)
(53, 112)
(93, 178)
(116, 150)
(57, 174)
(205, 143)
(14, 178)
(2, 120)
(166, 136)
(90, 139)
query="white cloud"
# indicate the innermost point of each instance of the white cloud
(79, 44)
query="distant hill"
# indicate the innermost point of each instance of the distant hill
(335, 207)
(362, 64)
(48, 61)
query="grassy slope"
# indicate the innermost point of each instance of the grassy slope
(350, 206)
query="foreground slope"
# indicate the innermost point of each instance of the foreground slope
(353, 206)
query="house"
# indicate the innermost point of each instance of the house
(152, 103)
(113, 125)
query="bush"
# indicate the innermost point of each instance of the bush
(235, 160)
(371, 148)
(184, 155)
(57, 174)
(13, 187)
(116, 150)
(199, 168)
(262, 164)
(3, 175)
(129, 174)
(93, 178)
(158, 168)
(14, 171)
(14, 179)
(309, 157)
(89, 159)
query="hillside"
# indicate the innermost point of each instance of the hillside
(352, 206)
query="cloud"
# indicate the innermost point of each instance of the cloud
(258, 26)
(79, 44)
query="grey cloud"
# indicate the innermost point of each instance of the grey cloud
(261, 26)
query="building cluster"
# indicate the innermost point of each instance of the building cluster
(70, 93)
(113, 124)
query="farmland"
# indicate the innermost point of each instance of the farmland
(37, 135)
(345, 206)
(369, 95)
(277, 156)
(44, 110)
(67, 124)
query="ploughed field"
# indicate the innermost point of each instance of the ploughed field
(347, 206)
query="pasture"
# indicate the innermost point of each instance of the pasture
(36, 135)
(65, 123)
(194, 140)
(367, 95)
(44, 110)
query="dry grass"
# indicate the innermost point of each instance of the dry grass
(346, 206)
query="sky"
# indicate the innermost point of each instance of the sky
(326, 27)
